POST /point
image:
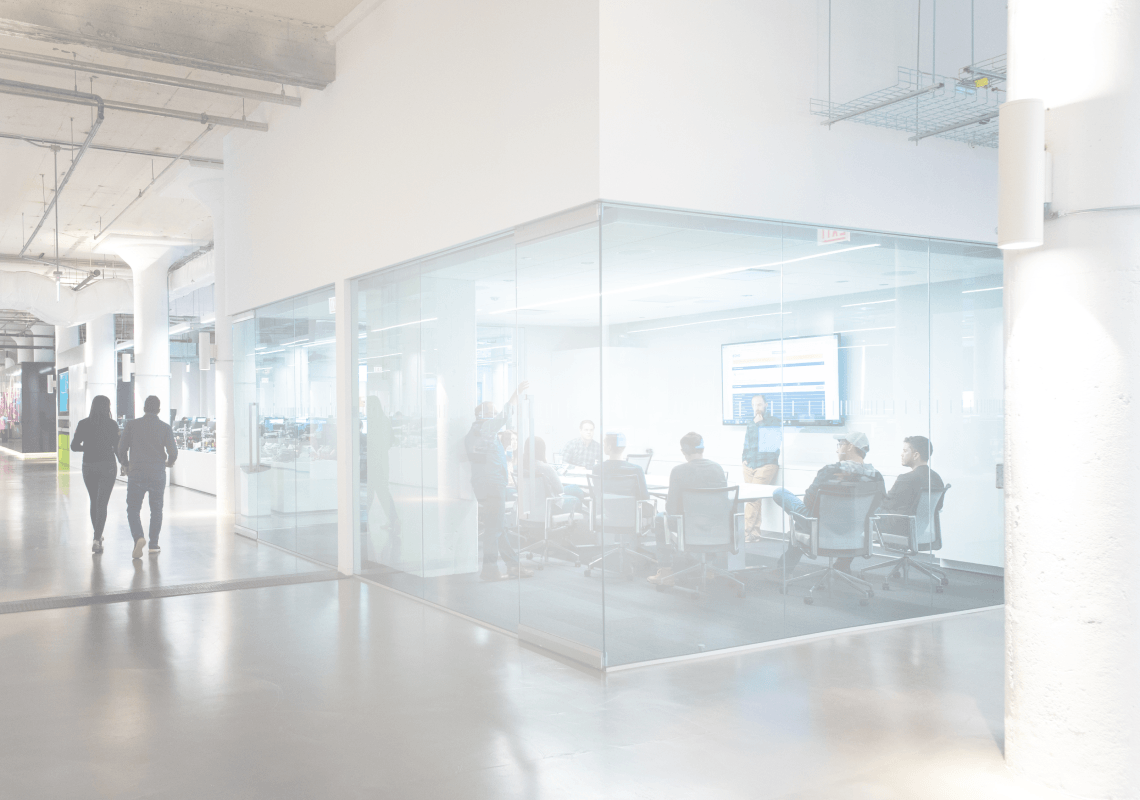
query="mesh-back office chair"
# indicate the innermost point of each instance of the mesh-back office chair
(708, 524)
(552, 532)
(642, 460)
(618, 513)
(842, 529)
(910, 535)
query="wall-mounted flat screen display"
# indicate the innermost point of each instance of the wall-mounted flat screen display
(799, 377)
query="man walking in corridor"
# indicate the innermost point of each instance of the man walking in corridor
(146, 449)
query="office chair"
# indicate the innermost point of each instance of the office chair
(842, 529)
(923, 532)
(554, 523)
(708, 524)
(642, 460)
(620, 514)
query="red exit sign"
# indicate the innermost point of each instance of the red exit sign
(831, 236)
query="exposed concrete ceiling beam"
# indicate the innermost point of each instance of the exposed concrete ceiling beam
(150, 77)
(220, 39)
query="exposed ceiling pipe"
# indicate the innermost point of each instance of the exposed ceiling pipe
(98, 103)
(90, 277)
(85, 99)
(151, 77)
(212, 162)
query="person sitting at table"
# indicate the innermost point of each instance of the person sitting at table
(761, 459)
(616, 465)
(907, 490)
(546, 484)
(852, 448)
(697, 472)
(582, 450)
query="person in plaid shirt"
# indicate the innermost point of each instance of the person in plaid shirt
(582, 450)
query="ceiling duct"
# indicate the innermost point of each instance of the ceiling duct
(35, 294)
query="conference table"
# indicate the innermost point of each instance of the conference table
(748, 492)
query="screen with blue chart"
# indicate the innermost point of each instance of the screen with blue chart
(798, 377)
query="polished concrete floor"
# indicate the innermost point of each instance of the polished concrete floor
(342, 689)
(45, 540)
(339, 689)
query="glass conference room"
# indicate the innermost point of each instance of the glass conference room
(655, 324)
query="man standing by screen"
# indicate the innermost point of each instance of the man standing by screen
(761, 459)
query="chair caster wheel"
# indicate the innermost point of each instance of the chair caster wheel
(577, 564)
(694, 597)
(540, 566)
(870, 593)
(863, 601)
(587, 573)
(886, 587)
(938, 589)
(740, 593)
(945, 581)
(808, 601)
(781, 590)
(530, 556)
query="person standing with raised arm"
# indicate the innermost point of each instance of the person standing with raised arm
(146, 449)
(761, 459)
(489, 483)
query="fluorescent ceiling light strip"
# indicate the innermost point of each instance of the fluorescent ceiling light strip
(860, 330)
(386, 355)
(860, 346)
(991, 289)
(707, 321)
(404, 324)
(675, 281)
(868, 303)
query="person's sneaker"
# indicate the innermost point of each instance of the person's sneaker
(154, 549)
(97, 546)
(519, 571)
(664, 577)
(140, 544)
(492, 575)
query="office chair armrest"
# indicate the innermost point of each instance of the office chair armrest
(737, 530)
(813, 524)
(680, 532)
(645, 507)
(549, 515)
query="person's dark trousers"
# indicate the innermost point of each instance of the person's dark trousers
(140, 483)
(492, 515)
(99, 477)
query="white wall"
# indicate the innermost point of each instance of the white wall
(704, 106)
(447, 120)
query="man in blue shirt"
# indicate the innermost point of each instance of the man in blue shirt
(489, 479)
(761, 458)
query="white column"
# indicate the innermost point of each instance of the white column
(149, 260)
(1072, 431)
(99, 358)
(66, 337)
(210, 191)
(44, 336)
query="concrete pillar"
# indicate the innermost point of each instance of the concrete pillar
(66, 337)
(210, 191)
(99, 358)
(149, 260)
(1072, 378)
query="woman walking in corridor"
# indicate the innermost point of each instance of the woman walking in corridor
(96, 437)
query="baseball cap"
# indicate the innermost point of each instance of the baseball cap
(615, 439)
(857, 438)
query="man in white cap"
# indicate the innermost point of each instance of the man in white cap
(852, 466)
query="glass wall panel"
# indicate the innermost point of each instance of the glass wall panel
(315, 425)
(692, 431)
(284, 414)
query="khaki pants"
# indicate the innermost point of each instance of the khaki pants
(766, 475)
